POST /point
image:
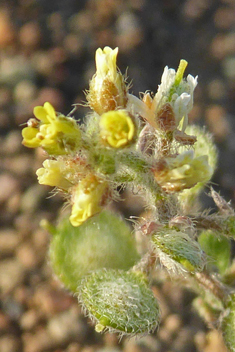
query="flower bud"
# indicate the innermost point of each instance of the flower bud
(183, 171)
(103, 241)
(203, 146)
(53, 174)
(183, 223)
(107, 87)
(88, 198)
(119, 301)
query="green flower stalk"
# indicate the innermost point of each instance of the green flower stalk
(228, 324)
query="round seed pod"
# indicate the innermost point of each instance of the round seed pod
(103, 241)
(119, 301)
(177, 251)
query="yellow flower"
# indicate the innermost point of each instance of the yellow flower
(88, 198)
(53, 174)
(116, 128)
(184, 171)
(54, 132)
(30, 138)
(107, 87)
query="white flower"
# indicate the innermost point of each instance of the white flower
(177, 91)
(169, 108)
(167, 81)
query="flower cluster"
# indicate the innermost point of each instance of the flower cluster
(81, 158)
(144, 144)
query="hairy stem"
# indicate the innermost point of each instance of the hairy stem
(209, 282)
(135, 169)
(146, 264)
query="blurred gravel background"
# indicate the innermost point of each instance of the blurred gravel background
(47, 54)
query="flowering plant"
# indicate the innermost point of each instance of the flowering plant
(144, 144)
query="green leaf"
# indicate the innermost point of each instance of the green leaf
(103, 241)
(217, 248)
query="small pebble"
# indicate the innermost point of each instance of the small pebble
(30, 35)
(38, 341)
(7, 33)
(4, 322)
(12, 143)
(27, 255)
(11, 274)
(9, 241)
(215, 342)
(50, 301)
(29, 320)
(74, 347)
(19, 165)
(66, 326)
(9, 343)
(217, 121)
(32, 197)
(173, 323)
(8, 184)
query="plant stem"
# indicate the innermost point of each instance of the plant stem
(138, 170)
(146, 264)
(209, 282)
